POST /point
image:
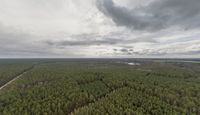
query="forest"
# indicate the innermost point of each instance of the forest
(99, 87)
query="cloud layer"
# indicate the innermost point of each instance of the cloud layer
(157, 15)
(99, 28)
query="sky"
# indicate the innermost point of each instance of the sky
(99, 29)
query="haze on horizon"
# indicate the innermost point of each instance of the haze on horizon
(99, 28)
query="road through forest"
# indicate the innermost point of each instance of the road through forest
(17, 77)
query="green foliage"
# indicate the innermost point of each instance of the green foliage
(8, 71)
(99, 87)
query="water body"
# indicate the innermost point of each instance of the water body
(130, 63)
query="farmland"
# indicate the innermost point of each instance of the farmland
(99, 86)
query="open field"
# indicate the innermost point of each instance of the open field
(99, 86)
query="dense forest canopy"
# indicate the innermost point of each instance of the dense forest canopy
(100, 86)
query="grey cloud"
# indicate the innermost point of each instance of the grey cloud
(182, 48)
(191, 48)
(94, 39)
(54, 37)
(160, 14)
(124, 51)
(14, 42)
(8, 34)
(115, 50)
(11, 38)
(62, 43)
(107, 41)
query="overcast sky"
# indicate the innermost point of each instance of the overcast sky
(99, 28)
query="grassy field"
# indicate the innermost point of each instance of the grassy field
(100, 87)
